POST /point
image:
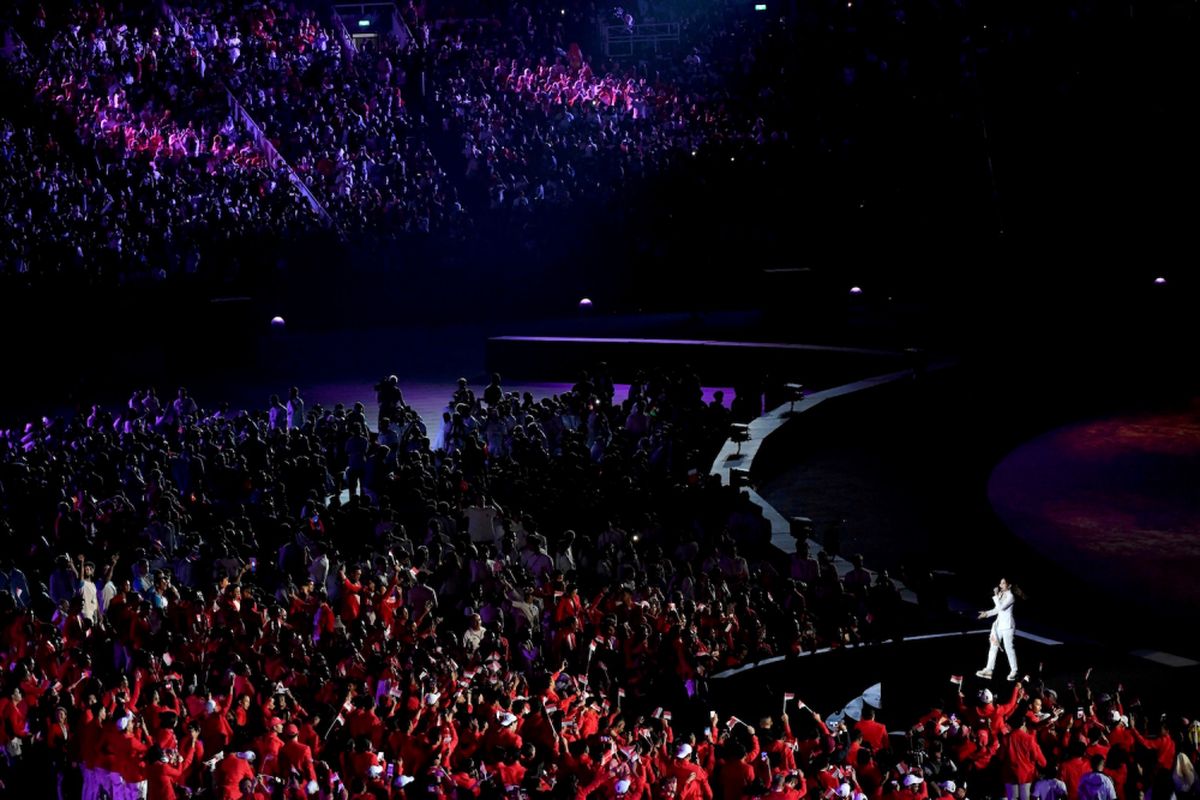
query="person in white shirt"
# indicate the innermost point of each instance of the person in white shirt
(1048, 786)
(185, 407)
(1003, 629)
(535, 558)
(473, 635)
(564, 558)
(87, 591)
(277, 412)
(109, 591)
(1096, 785)
(318, 568)
(484, 522)
(295, 409)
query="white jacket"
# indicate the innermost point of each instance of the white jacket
(1003, 612)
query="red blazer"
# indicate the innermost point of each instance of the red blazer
(1071, 771)
(163, 777)
(299, 756)
(874, 733)
(230, 772)
(1020, 756)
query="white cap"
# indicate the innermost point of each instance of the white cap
(683, 751)
(1124, 720)
(210, 706)
(375, 770)
(507, 719)
(312, 787)
(912, 779)
(123, 722)
(404, 780)
(843, 790)
(985, 696)
(432, 698)
(949, 786)
(247, 755)
(1114, 715)
(623, 786)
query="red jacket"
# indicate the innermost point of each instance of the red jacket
(129, 757)
(511, 774)
(536, 728)
(691, 778)
(351, 602)
(163, 777)
(12, 720)
(1162, 746)
(294, 755)
(505, 738)
(1020, 756)
(1071, 771)
(874, 733)
(606, 786)
(216, 731)
(324, 622)
(1121, 737)
(309, 736)
(230, 772)
(267, 747)
(88, 740)
(735, 776)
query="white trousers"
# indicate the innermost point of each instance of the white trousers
(110, 783)
(1016, 791)
(1004, 638)
(91, 783)
(132, 791)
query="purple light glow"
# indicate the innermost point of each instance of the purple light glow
(855, 290)
(1159, 281)
(277, 322)
(585, 303)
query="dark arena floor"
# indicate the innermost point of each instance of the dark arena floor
(903, 281)
(1114, 501)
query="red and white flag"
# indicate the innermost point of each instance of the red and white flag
(956, 679)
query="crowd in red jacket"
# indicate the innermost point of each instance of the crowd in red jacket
(266, 642)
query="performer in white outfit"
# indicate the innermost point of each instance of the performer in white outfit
(1003, 629)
